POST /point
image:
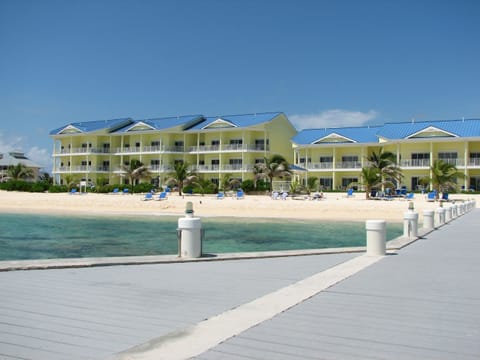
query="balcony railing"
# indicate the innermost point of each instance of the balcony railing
(407, 163)
(318, 166)
(348, 165)
(150, 149)
(82, 151)
(228, 147)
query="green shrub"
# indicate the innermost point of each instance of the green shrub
(143, 188)
(248, 185)
(58, 189)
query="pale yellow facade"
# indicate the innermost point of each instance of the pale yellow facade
(212, 151)
(337, 165)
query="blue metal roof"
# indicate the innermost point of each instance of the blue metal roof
(241, 121)
(89, 126)
(166, 123)
(364, 134)
(460, 128)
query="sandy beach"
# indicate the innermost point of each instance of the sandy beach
(334, 207)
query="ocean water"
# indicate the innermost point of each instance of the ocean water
(48, 237)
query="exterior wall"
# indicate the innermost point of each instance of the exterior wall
(413, 166)
(212, 153)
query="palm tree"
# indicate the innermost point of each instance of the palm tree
(275, 166)
(386, 164)
(371, 179)
(228, 182)
(70, 181)
(181, 176)
(135, 171)
(312, 184)
(444, 176)
(204, 186)
(19, 172)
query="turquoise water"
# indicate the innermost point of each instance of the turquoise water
(47, 237)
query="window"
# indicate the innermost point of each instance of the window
(326, 183)
(326, 159)
(236, 164)
(236, 142)
(350, 158)
(447, 155)
(155, 143)
(420, 156)
(137, 144)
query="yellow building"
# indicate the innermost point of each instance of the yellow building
(336, 155)
(213, 146)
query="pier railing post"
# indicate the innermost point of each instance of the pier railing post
(376, 237)
(428, 219)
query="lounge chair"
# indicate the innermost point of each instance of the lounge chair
(409, 196)
(148, 196)
(125, 191)
(115, 191)
(162, 196)
(431, 196)
(350, 193)
(275, 195)
(73, 191)
(240, 194)
(445, 196)
(284, 195)
(220, 196)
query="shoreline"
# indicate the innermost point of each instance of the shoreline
(335, 207)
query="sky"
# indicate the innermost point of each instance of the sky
(322, 63)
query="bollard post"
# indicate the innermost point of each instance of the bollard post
(376, 237)
(448, 214)
(410, 224)
(189, 234)
(428, 219)
(441, 216)
(454, 210)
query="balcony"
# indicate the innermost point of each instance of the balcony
(348, 165)
(229, 148)
(318, 166)
(415, 163)
(149, 150)
(222, 168)
(81, 151)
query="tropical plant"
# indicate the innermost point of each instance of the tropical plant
(70, 181)
(181, 176)
(371, 179)
(204, 186)
(386, 164)
(135, 172)
(46, 178)
(228, 182)
(276, 166)
(312, 184)
(443, 177)
(19, 172)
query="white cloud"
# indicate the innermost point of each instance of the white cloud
(40, 156)
(36, 154)
(332, 118)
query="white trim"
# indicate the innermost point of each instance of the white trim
(335, 137)
(141, 124)
(70, 129)
(431, 130)
(219, 121)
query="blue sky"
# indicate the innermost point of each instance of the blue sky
(323, 63)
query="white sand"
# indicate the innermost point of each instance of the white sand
(335, 207)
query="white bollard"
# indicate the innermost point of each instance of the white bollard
(410, 224)
(428, 219)
(441, 216)
(190, 234)
(454, 210)
(448, 214)
(376, 237)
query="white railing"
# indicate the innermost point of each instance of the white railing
(228, 147)
(414, 163)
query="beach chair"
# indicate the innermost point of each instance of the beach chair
(275, 195)
(409, 196)
(350, 193)
(220, 196)
(125, 191)
(445, 196)
(162, 196)
(431, 196)
(240, 194)
(73, 191)
(284, 195)
(115, 191)
(148, 196)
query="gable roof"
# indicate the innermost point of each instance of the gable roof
(236, 121)
(364, 134)
(179, 122)
(92, 126)
(429, 129)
